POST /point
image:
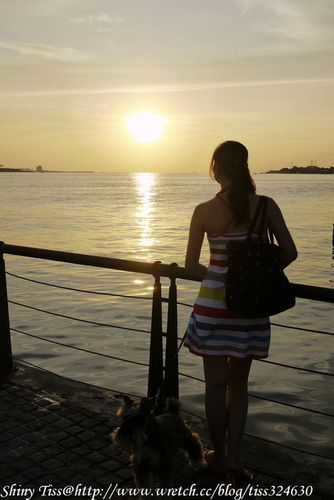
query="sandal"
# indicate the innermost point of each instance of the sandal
(241, 477)
(214, 472)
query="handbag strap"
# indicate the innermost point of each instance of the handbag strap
(263, 217)
(261, 206)
(270, 238)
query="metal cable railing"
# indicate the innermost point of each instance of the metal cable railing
(96, 323)
(71, 289)
(88, 351)
(157, 270)
(139, 297)
(146, 331)
(299, 368)
(292, 327)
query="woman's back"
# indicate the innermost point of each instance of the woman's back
(218, 217)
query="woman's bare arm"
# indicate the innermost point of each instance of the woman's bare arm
(282, 234)
(195, 241)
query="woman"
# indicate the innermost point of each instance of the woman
(228, 343)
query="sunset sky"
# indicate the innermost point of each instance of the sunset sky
(257, 71)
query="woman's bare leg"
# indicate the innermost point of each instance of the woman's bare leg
(216, 377)
(237, 407)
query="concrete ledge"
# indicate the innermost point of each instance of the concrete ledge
(73, 392)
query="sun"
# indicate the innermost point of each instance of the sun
(145, 126)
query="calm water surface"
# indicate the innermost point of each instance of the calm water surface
(146, 217)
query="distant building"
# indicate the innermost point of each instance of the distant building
(39, 168)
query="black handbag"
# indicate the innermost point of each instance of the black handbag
(256, 286)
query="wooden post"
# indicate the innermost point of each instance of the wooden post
(6, 361)
(155, 374)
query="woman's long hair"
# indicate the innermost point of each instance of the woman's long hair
(231, 158)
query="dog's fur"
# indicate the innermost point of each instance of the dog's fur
(153, 441)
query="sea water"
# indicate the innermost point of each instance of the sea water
(145, 217)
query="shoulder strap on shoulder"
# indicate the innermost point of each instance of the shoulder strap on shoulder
(263, 216)
(262, 205)
(222, 199)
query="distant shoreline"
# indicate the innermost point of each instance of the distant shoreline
(292, 170)
(303, 170)
(29, 171)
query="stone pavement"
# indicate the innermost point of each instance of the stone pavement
(55, 442)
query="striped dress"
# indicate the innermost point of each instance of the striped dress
(215, 331)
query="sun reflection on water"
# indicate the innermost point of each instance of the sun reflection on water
(145, 183)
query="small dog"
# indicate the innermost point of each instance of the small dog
(153, 441)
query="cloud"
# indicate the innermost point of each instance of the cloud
(44, 51)
(99, 21)
(283, 22)
(171, 88)
(133, 76)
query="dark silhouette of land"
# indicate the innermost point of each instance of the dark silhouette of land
(312, 169)
(41, 170)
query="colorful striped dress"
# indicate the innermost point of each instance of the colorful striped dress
(215, 331)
